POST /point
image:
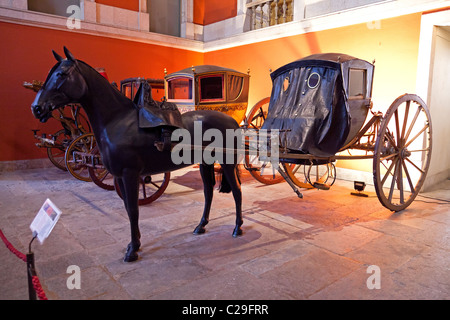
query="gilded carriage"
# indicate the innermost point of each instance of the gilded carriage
(208, 87)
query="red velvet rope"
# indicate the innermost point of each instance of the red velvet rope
(38, 288)
(11, 248)
(35, 280)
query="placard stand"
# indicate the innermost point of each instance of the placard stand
(31, 271)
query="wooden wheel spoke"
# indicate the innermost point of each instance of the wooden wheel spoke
(405, 120)
(408, 177)
(420, 150)
(294, 171)
(144, 191)
(388, 172)
(400, 181)
(397, 127)
(415, 166)
(394, 176)
(417, 135)
(413, 122)
(388, 157)
(154, 184)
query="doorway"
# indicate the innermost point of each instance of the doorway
(439, 104)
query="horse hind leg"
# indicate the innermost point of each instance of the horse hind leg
(129, 186)
(230, 173)
(208, 178)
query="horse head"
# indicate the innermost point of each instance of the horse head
(64, 85)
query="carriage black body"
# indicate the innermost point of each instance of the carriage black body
(320, 101)
(320, 105)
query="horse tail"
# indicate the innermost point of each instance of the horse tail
(225, 185)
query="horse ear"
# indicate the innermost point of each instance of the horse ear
(57, 56)
(69, 55)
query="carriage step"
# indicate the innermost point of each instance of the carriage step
(321, 186)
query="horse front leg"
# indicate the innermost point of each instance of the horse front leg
(208, 178)
(129, 186)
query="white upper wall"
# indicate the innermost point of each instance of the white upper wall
(308, 16)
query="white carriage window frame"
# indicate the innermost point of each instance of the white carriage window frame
(357, 83)
(317, 83)
(189, 87)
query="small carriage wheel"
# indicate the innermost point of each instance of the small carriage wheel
(322, 173)
(150, 188)
(76, 156)
(57, 152)
(257, 115)
(402, 152)
(99, 174)
(297, 175)
(263, 171)
(81, 121)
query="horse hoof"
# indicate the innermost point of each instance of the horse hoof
(199, 230)
(131, 254)
(131, 257)
(237, 232)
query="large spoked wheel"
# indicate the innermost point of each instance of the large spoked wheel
(58, 150)
(263, 171)
(98, 173)
(78, 154)
(402, 152)
(150, 187)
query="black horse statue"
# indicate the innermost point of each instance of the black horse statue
(127, 150)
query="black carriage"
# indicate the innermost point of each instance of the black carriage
(320, 106)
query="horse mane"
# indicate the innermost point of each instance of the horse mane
(107, 84)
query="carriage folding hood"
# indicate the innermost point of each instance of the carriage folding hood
(320, 102)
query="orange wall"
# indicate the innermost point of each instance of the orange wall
(211, 11)
(26, 55)
(124, 4)
(394, 45)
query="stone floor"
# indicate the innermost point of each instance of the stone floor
(320, 247)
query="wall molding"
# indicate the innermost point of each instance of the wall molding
(231, 30)
(48, 21)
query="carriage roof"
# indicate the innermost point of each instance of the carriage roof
(203, 69)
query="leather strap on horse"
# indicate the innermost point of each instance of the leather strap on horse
(36, 283)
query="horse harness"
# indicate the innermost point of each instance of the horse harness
(163, 116)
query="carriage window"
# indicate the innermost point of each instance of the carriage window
(313, 80)
(286, 83)
(357, 83)
(129, 89)
(211, 88)
(179, 89)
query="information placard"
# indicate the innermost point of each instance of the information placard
(45, 220)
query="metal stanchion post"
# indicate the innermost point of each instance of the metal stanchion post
(31, 271)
